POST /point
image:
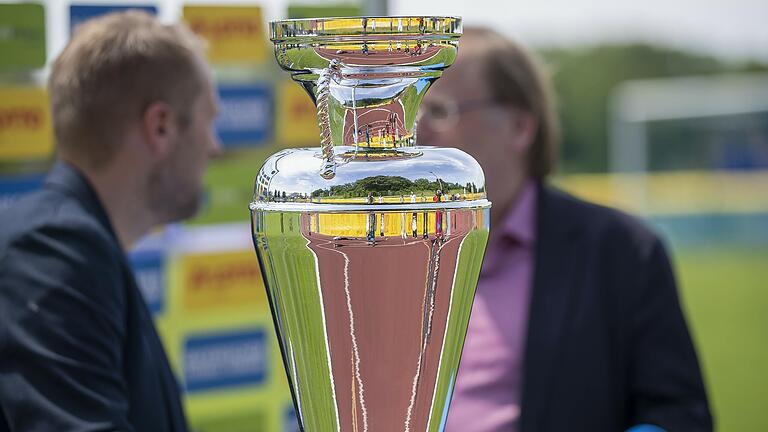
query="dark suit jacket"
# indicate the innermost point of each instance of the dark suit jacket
(607, 347)
(78, 348)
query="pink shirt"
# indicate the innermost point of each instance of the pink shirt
(488, 387)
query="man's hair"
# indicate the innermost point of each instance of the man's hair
(516, 77)
(111, 70)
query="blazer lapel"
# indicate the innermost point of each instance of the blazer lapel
(557, 245)
(68, 179)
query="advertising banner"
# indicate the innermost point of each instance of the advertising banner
(221, 360)
(149, 271)
(13, 188)
(80, 13)
(25, 124)
(246, 115)
(296, 116)
(235, 34)
(22, 36)
(221, 281)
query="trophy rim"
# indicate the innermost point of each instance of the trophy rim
(477, 204)
(309, 29)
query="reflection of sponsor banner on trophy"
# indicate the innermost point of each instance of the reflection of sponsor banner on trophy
(388, 223)
(25, 124)
(223, 360)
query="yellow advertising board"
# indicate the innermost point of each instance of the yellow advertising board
(221, 280)
(25, 124)
(218, 333)
(296, 116)
(235, 34)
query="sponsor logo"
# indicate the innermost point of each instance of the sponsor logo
(224, 360)
(222, 280)
(25, 126)
(246, 115)
(227, 27)
(235, 33)
(21, 117)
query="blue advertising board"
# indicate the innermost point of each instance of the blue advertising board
(291, 423)
(149, 270)
(246, 115)
(225, 360)
(80, 13)
(13, 188)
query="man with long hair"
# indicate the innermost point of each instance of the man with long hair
(576, 323)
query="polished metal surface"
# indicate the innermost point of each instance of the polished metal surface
(370, 246)
(366, 75)
(371, 326)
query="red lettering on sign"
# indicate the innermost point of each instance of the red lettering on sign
(21, 118)
(302, 109)
(229, 27)
(222, 275)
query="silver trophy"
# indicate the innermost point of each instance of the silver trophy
(370, 246)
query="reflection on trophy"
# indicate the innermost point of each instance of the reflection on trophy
(370, 246)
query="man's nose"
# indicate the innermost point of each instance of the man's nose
(215, 147)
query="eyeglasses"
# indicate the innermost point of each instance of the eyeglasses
(443, 114)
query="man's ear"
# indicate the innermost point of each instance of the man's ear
(159, 129)
(525, 127)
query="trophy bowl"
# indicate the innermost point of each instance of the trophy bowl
(370, 245)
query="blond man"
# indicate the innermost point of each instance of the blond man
(133, 108)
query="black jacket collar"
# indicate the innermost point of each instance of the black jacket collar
(557, 245)
(66, 178)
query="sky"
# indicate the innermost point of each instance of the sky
(734, 30)
(731, 29)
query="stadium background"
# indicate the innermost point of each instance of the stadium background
(635, 137)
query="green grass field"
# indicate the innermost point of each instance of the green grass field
(725, 295)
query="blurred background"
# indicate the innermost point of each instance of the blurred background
(664, 106)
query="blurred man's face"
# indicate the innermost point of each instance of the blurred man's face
(458, 111)
(176, 188)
